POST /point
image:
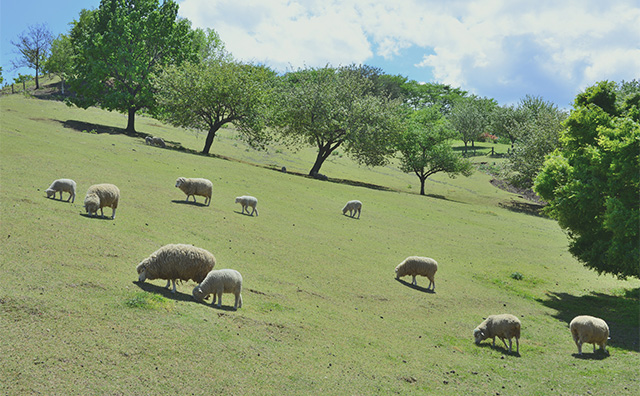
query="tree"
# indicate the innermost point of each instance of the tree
(60, 62)
(470, 117)
(332, 108)
(592, 182)
(425, 146)
(119, 46)
(508, 121)
(212, 93)
(419, 95)
(33, 47)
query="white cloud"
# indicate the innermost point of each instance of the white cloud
(488, 47)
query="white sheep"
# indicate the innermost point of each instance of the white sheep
(353, 207)
(62, 185)
(414, 266)
(218, 282)
(589, 329)
(148, 140)
(100, 196)
(158, 141)
(248, 201)
(196, 186)
(501, 326)
(176, 261)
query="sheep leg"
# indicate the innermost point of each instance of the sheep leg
(101, 213)
(579, 344)
(517, 345)
(219, 299)
(207, 200)
(509, 345)
(168, 283)
(174, 286)
(235, 306)
(358, 213)
(255, 210)
(113, 213)
(414, 282)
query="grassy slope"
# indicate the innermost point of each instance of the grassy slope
(322, 310)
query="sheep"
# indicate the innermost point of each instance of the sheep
(158, 141)
(247, 201)
(196, 186)
(501, 326)
(100, 196)
(218, 282)
(62, 185)
(353, 207)
(589, 329)
(176, 261)
(148, 140)
(414, 265)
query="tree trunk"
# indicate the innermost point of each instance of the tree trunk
(422, 181)
(209, 140)
(132, 120)
(323, 153)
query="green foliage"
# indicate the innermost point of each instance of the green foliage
(442, 96)
(425, 146)
(517, 276)
(329, 108)
(470, 116)
(119, 46)
(592, 183)
(60, 62)
(210, 94)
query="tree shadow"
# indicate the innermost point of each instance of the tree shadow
(89, 127)
(620, 312)
(527, 208)
(416, 287)
(97, 217)
(182, 202)
(167, 293)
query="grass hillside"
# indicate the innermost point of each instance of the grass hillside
(322, 314)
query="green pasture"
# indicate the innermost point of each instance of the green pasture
(323, 313)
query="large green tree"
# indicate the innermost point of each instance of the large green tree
(337, 107)
(60, 62)
(119, 46)
(471, 116)
(33, 48)
(592, 182)
(209, 94)
(425, 146)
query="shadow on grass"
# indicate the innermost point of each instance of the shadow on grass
(416, 287)
(164, 292)
(88, 216)
(598, 355)
(620, 313)
(499, 347)
(181, 202)
(531, 209)
(243, 213)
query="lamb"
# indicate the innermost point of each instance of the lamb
(158, 141)
(100, 196)
(414, 266)
(589, 329)
(247, 201)
(62, 185)
(218, 282)
(353, 207)
(176, 261)
(501, 326)
(196, 186)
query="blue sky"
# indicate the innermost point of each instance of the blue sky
(503, 49)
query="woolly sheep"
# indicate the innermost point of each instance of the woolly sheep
(176, 261)
(196, 186)
(589, 329)
(100, 196)
(148, 140)
(501, 326)
(414, 266)
(218, 282)
(62, 185)
(158, 141)
(248, 201)
(353, 207)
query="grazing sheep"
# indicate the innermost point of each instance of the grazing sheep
(218, 282)
(196, 186)
(176, 261)
(100, 196)
(414, 266)
(247, 201)
(62, 185)
(353, 207)
(158, 141)
(501, 326)
(148, 140)
(589, 329)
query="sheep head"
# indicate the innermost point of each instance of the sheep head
(142, 273)
(479, 335)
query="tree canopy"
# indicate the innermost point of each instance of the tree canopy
(119, 46)
(214, 92)
(592, 182)
(425, 146)
(33, 48)
(60, 62)
(337, 107)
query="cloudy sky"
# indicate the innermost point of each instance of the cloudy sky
(503, 49)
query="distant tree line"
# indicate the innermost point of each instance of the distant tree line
(138, 55)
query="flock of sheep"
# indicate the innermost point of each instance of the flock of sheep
(182, 262)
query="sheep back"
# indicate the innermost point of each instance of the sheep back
(589, 329)
(502, 326)
(415, 265)
(62, 185)
(218, 282)
(177, 261)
